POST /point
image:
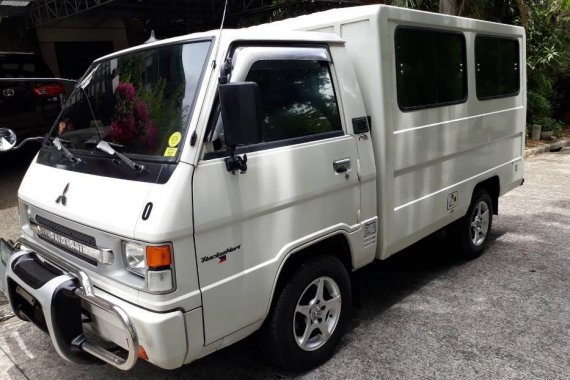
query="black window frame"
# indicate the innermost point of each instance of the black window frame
(509, 95)
(215, 114)
(274, 144)
(465, 68)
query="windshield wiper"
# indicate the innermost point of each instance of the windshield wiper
(64, 151)
(105, 147)
(95, 142)
(84, 82)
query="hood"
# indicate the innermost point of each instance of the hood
(108, 204)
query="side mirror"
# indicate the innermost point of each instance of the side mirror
(7, 139)
(241, 113)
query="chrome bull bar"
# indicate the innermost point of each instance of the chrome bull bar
(87, 294)
(49, 294)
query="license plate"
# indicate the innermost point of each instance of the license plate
(104, 256)
(25, 295)
(61, 240)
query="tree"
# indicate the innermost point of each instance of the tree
(448, 7)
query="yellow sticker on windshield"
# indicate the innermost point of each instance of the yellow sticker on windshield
(170, 152)
(174, 139)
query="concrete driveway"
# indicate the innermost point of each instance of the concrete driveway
(421, 314)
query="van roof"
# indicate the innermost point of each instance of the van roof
(233, 35)
(344, 14)
(274, 31)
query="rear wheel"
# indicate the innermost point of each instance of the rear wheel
(309, 316)
(471, 233)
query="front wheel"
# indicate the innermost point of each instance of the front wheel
(471, 233)
(309, 316)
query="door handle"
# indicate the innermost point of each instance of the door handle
(342, 165)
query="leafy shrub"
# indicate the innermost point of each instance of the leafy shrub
(549, 124)
(538, 105)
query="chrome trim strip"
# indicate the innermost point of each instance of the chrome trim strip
(455, 184)
(103, 256)
(455, 120)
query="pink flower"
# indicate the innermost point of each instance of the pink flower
(123, 129)
(140, 110)
(126, 91)
(132, 118)
(150, 136)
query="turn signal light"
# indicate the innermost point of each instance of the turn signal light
(142, 353)
(158, 256)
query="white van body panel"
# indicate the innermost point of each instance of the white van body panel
(94, 207)
(423, 156)
(90, 200)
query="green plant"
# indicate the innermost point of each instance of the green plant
(549, 124)
(538, 106)
(528, 132)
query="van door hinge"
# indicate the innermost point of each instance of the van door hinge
(358, 168)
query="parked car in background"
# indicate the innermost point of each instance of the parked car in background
(30, 96)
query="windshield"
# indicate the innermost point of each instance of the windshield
(140, 102)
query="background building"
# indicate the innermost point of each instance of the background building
(70, 34)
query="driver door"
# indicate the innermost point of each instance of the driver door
(301, 183)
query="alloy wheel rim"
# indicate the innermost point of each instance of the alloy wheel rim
(479, 223)
(317, 313)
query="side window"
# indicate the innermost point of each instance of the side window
(297, 100)
(497, 67)
(431, 68)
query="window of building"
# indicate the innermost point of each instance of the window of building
(497, 67)
(431, 68)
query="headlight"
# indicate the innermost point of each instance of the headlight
(153, 262)
(135, 255)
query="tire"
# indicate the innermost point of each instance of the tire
(470, 234)
(291, 337)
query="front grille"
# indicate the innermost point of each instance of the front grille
(70, 234)
(67, 232)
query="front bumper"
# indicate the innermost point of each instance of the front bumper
(54, 300)
(170, 339)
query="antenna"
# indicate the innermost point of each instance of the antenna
(224, 16)
(220, 34)
(152, 38)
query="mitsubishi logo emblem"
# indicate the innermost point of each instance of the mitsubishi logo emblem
(62, 198)
(8, 92)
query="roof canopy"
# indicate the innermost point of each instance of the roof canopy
(193, 14)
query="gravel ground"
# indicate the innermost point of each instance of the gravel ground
(421, 314)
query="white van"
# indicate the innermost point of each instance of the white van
(197, 189)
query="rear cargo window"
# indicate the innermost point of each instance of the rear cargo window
(431, 69)
(497, 67)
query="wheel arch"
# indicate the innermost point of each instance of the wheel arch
(336, 244)
(493, 186)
